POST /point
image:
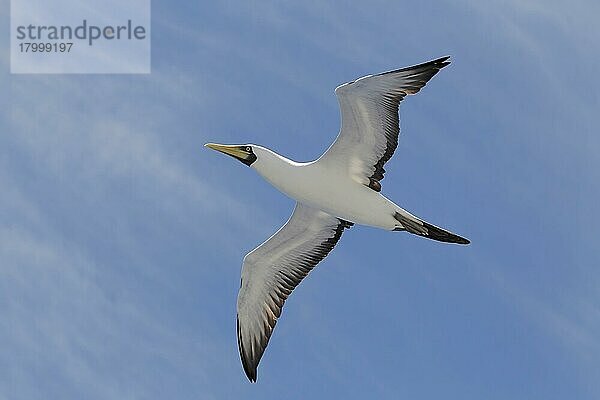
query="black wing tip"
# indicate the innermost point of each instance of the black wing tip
(251, 375)
(438, 64)
(250, 370)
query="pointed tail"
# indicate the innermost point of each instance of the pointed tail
(414, 225)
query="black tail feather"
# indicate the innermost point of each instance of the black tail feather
(422, 228)
(435, 233)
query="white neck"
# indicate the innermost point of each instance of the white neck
(280, 171)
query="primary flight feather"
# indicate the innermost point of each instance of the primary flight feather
(338, 190)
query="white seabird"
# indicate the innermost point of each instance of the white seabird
(338, 190)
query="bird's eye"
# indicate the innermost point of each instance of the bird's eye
(248, 148)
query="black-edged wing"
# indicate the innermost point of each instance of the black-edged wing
(370, 123)
(272, 270)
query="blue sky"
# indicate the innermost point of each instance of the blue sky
(121, 238)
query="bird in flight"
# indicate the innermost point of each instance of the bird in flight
(338, 190)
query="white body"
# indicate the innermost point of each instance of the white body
(327, 189)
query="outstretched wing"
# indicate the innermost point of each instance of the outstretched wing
(272, 270)
(370, 123)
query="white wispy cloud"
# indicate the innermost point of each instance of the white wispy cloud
(67, 317)
(62, 323)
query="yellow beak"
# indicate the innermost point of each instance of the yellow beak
(242, 153)
(232, 150)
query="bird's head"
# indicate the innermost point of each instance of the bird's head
(243, 152)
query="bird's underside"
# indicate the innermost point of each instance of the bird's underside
(367, 140)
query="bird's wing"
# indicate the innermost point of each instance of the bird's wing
(370, 123)
(272, 270)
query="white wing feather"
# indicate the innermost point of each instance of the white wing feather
(272, 270)
(370, 123)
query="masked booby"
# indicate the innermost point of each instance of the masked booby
(332, 193)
